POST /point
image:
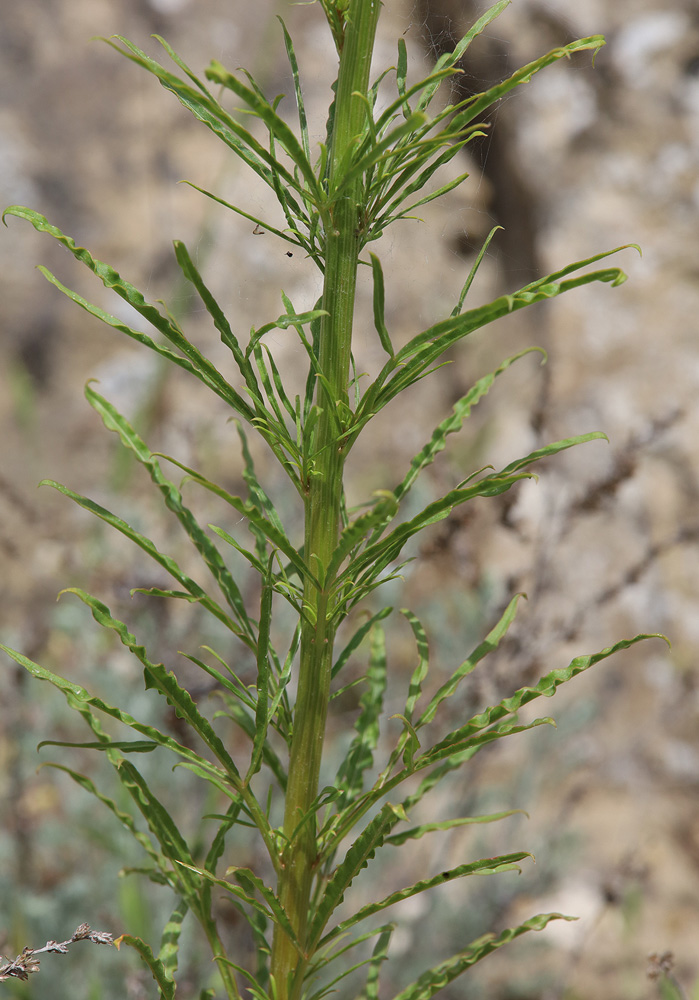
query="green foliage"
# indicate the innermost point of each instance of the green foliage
(374, 168)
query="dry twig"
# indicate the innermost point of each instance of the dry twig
(27, 962)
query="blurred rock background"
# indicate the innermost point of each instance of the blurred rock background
(579, 161)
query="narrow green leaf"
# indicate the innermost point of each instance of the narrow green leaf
(166, 985)
(422, 666)
(436, 978)
(378, 957)
(163, 828)
(170, 939)
(125, 818)
(360, 755)
(114, 421)
(82, 701)
(474, 271)
(475, 106)
(454, 422)
(165, 682)
(485, 866)
(402, 76)
(381, 512)
(357, 639)
(416, 832)
(238, 714)
(218, 844)
(276, 125)
(356, 858)
(210, 112)
(450, 59)
(249, 510)
(303, 124)
(262, 706)
(295, 237)
(183, 66)
(249, 884)
(462, 738)
(441, 191)
(415, 358)
(279, 385)
(489, 644)
(199, 365)
(217, 315)
(379, 306)
(373, 560)
(133, 746)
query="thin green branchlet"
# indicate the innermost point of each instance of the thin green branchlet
(374, 168)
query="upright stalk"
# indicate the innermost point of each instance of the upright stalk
(324, 491)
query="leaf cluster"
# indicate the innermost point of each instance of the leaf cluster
(395, 155)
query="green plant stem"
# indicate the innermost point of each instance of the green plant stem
(219, 954)
(324, 493)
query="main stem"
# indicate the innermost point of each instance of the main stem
(323, 503)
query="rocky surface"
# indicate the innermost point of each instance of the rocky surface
(604, 544)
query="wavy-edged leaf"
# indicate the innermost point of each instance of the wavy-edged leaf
(178, 595)
(326, 956)
(378, 956)
(468, 734)
(257, 494)
(441, 975)
(380, 306)
(356, 858)
(249, 885)
(277, 128)
(356, 531)
(422, 666)
(211, 113)
(193, 360)
(475, 106)
(150, 548)
(417, 832)
(360, 755)
(450, 59)
(251, 511)
(357, 638)
(417, 356)
(165, 682)
(170, 939)
(463, 743)
(82, 701)
(372, 561)
(172, 497)
(262, 704)
(484, 866)
(489, 644)
(125, 818)
(165, 984)
(160, 823)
